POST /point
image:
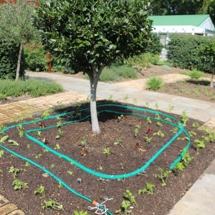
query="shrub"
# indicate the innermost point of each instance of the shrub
(33, 87)
(165, 67)
(154, 83)
(35, 57)
(114, 73)
(195, 74)
(8, 61)
(143, 60)
(183, 52)
(155, 45)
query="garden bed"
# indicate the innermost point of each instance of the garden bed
(123, 146)
(195, 89)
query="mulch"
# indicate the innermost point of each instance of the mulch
(79, 143)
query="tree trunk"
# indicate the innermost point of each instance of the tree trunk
(94, 78)
(19, 62)
(212, 77)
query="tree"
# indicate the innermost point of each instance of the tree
(183, 7)
(208, 52)
(92, 34)
(16, 26)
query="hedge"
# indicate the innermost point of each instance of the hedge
(8, 61)
(155, 45)
(183, 51)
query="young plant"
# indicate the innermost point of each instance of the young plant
(80, 213)
(52, 204)
(20, 130)
(83, 142)
(1, 153)
(57, 147)
(136, 130)
(159, 133)
(15, 171)
(3, 139)
(70, 172)
(199, 145)
(106, 151)
(171, 107)
(129, 196)
(124, 208)
(148, 139)
(28, 146)
(46, 113)
(13, 142)
(118, 142)
(18, 185)
(154, 83)
(159, 124)
(148, 120)
(162, 176)
(40, 190)
(148, 189)
(184, 117)
(38, 156)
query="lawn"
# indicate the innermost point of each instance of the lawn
(129, 141)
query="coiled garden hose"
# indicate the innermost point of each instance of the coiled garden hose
(176, 123)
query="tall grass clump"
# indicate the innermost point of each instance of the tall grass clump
(195, 74)
(154, 83)
(34, 88)
(114, 73)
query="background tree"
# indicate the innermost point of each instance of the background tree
(183, 7)
(16, 26)
(208, 52)
(93, 34)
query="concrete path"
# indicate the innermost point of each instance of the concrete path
(199, 200)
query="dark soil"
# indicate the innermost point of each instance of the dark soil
(200, 90)
(133, 153)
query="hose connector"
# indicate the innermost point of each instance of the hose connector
(100, 208)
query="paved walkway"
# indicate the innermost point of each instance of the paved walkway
(199, 200)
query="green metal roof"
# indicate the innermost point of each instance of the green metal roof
(169, 20)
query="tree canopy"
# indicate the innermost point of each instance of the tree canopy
(183, 7)
(16, 26)
(93, 34)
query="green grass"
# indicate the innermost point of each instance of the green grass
(114, 73)
(34, 88)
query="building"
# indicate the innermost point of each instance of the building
(182, 24)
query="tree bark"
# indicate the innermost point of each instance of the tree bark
(19, 62)
(94, 78)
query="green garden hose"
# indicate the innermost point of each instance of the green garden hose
(176, 123)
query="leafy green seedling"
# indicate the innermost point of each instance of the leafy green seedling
(52, 204)
(28, 146)
(80, 213)
(118, 142)
(38, 156)
(60, 185)
(199, 145)
(170, 109)
(3, 139)
(159, 124)
(18, 185)
(106, 151)
(57, 147)
(192, 133)
(40, 190)
(162, 176)
(70, 172)
(15, 171)
(184, 117)
(148, 189)
(27, 164)
(1, 153)
(83, 142)
(46, 113)
(39, 133)
(136, 130)
(148, 139)
(195, 125)
(129, 195)
(159, 133)
(125, 207)
(13, 142)
(148, 120)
